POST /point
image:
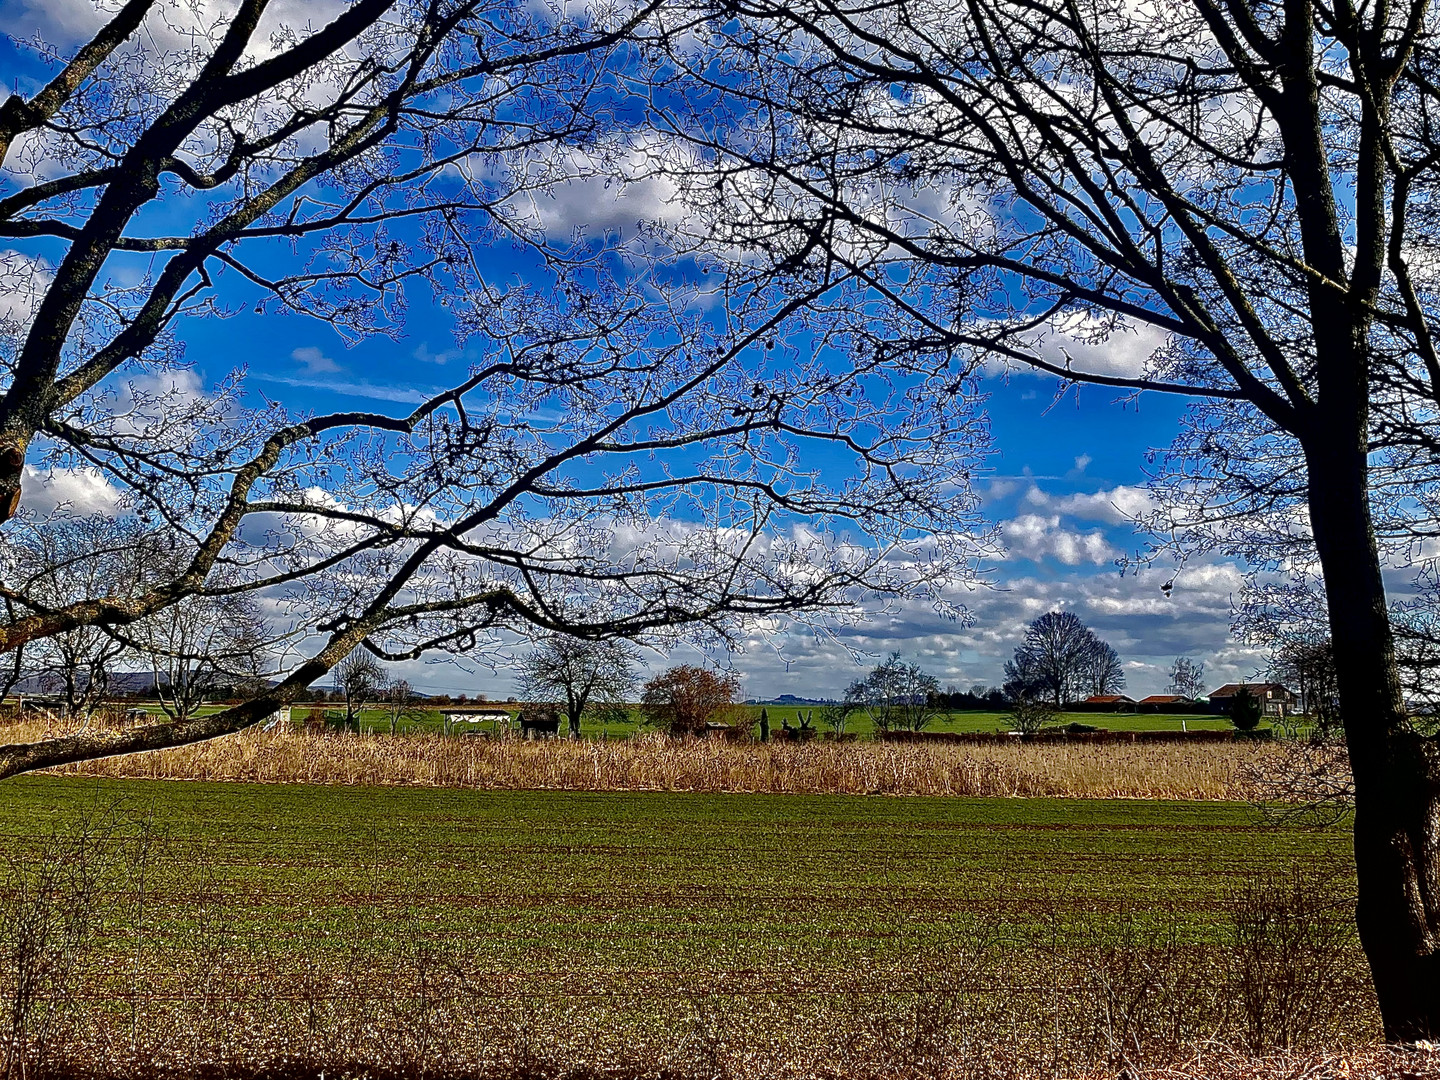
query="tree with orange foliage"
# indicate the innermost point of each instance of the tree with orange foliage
(683, 699)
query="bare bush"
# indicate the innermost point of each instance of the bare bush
(1294, 960)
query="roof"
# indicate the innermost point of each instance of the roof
(1257, 689)
(1109, 699)
(1163, 699)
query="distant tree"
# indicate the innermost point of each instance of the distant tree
(401, 704)
(836, 715)
(684, 699)
(1061, 659)
(1245, 710)
(201, 646)
(49, 564)
(580, 676)
(897, 696)
(1187, 678)
(1104, 672)
(360, 681)
(1309, 666)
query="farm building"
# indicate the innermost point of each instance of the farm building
(1113, 702)
(1164, 702)
(1275, 700)
(472, 719)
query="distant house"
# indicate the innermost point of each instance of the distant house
(1275, 700)
(1112, 702)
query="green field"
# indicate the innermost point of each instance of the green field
(375, 720)
(647, 879)
(416, 932)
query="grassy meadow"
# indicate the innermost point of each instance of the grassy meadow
(429, 721)
(675, 934)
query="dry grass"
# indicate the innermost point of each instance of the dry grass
(1217, 1061)
(657, 763)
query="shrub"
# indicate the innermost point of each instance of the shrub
(1245, 711)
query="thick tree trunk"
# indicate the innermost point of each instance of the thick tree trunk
(1397, 774)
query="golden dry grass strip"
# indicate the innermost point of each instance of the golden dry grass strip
(657, 763)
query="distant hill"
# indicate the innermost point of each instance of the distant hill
(789, 699)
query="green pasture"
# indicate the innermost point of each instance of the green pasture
(377, 720)
(635, 886)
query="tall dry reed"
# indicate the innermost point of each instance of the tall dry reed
(657, 763)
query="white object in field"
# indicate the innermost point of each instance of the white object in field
(280, 718)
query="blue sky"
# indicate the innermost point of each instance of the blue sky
(1063, 479)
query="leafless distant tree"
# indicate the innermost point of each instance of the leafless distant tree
(54, 563)
(361, 683)
(1104, 671)
(1187, 678)
(581, 675)
(401, 704)
(1309, 668)
(1061, 658)
(201, 645)
(897, 695)
(1029, 713)
(626, 443)
(1240, 193)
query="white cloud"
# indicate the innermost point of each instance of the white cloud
(1031, 536)
(69, 23)
(604, 197)
(425, 356)
(404, 395)
(315, 361)
(23, 282)
(67, 492)
(1084, 343)
(1118, 505)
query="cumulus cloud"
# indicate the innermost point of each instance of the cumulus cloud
(580, 192)
(67, 492)
(1036, 537)
(1084, 343)
(1118, 505)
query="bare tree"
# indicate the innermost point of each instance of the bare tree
(1187, 678)
(684, 699)
(1309, 666)
(583, 676)
(896, 695)
(1104, 673)
(615, 443)
(54, 562)
(1241, 191)
(401, 704)
(1029, 713)
(202, 645)
(1061, 658)
(361, 683)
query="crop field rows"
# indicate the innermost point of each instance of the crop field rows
(302, 916)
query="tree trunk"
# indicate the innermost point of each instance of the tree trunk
(1397, 775)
